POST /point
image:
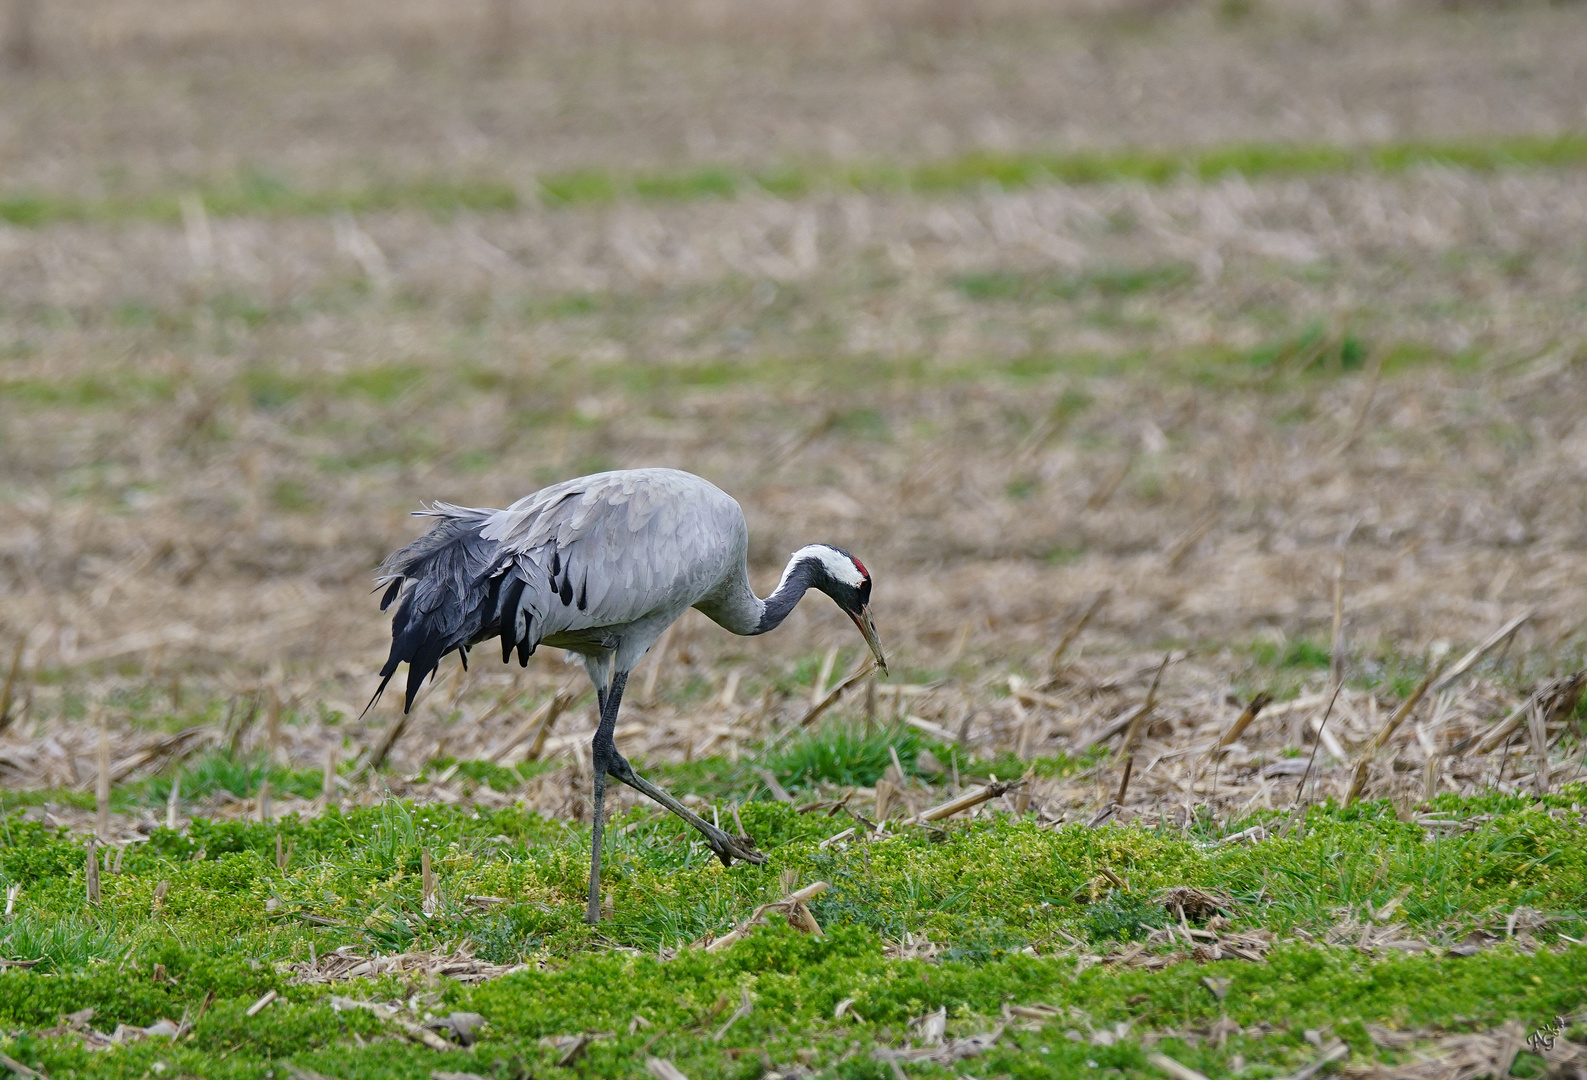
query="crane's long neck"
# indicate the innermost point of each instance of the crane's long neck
(796, 581)
(742, 612)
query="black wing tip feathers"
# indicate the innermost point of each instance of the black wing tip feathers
(451, 600)
(385, 677)
(453, 589)
(391, 593)
(507, 626)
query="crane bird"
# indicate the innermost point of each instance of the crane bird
(599, 566)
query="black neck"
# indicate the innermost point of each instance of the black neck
(781, 602)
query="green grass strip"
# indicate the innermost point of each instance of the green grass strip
(257, 195)
(971, 171)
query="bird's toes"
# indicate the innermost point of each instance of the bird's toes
(744, 848)
(728, 848)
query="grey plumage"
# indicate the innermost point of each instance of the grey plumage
(600, 566)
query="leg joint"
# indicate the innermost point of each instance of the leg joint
(607, 761)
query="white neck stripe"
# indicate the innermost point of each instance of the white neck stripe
(837, 565)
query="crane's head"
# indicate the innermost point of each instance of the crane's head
(844, 578)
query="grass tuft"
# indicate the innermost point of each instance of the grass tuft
(843, 753)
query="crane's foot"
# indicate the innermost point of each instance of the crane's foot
(728, 847)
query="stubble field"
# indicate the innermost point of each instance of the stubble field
(1155, 359)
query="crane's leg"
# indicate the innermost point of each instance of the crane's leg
(608, 762)
(599, 750)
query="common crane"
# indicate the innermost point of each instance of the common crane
(599, 566)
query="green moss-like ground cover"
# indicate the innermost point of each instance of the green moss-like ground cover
(993, 892)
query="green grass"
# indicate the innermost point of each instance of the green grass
(1283, 668)
(86, 391)
(1293, 360)
(971, 171)
(383, 384)
(62, 943)
(1296, 653)
(841, 754)
(1106, 282)
(220, 771)
(256, 194)
(991, 892)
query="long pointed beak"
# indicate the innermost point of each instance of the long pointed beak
(868, 628)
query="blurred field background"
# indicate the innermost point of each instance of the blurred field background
(1160, 358)
(1182, 305)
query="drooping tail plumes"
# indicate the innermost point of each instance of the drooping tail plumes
(451, 598)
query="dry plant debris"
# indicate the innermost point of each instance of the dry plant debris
(1454, 1056)
(345, 964)
(794, 906)
(1148, 466)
